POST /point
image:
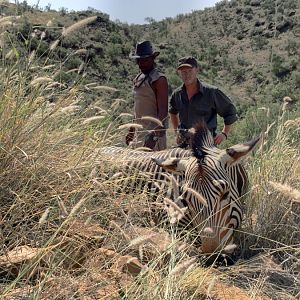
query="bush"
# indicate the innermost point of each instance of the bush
(279, 67)
(259, 76)
(113, 51)
(71, 41)
(174, 81)
(73, 62)
(115, 38)
(239, 75)
(258, 42)
(280, 90)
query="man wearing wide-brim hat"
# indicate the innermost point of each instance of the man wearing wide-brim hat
(150, 92)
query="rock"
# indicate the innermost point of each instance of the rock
(129, 264)
(255, 3)
(148, 243)
(87, 231)
(18, 255)
(215, 284)
(15, 262)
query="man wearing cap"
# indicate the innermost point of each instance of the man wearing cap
(150, 91)
(196, 101)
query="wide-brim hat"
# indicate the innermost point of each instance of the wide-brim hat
(143, 50)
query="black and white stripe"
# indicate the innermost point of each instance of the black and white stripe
(205, 171)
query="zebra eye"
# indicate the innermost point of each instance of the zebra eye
(219, 183)
(225, 195)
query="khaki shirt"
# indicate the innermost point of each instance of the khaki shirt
(145, 104)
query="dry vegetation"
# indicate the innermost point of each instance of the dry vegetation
(67, 232)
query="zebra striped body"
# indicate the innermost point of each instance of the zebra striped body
(210, 184)
(139, 166)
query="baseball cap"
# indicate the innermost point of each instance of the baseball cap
(187, 61)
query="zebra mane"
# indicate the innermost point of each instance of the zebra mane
(202, 140)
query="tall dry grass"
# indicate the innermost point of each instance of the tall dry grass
(271, 210)
(46, 156)
(78, 226)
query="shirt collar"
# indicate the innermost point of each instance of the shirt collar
(201, 89)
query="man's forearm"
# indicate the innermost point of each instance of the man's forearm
(161, 92)
(163, 115)
(226, 129)
(174, 121)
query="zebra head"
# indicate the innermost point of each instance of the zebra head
(214, 181)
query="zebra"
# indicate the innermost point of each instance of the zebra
(212, 182)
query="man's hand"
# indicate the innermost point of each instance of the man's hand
(219, 138)
(130, 135)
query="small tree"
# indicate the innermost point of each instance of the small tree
(63, 11)
(48, 7)
(150, 20)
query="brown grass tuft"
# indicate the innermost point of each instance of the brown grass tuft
(175, 213)
(54, 45)
(184, 266)
(92, 120)
(40, 80)
(131, 125)
(103, 88)
(153, 120)
(78, 25)
(286, 190)
(197, 195)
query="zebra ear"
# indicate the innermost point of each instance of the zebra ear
(172, 164)
(238, 151)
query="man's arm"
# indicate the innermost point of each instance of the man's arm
(174, 117)
(174, 121)
(227, 110)
(220, 137)
(226, 129)
(160, 88)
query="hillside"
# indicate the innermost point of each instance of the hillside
(251, 48)
(248, 48)
(69, 228)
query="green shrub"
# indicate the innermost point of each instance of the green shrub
(113, 51)
(115, 38)
(279, 67)
(239, 74)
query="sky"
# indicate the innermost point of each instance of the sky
(131, 11)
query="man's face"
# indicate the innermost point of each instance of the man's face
(188, 74)
(145, 64)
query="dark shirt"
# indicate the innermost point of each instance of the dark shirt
(204, 105)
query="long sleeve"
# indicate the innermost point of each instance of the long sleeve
(225, 108)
